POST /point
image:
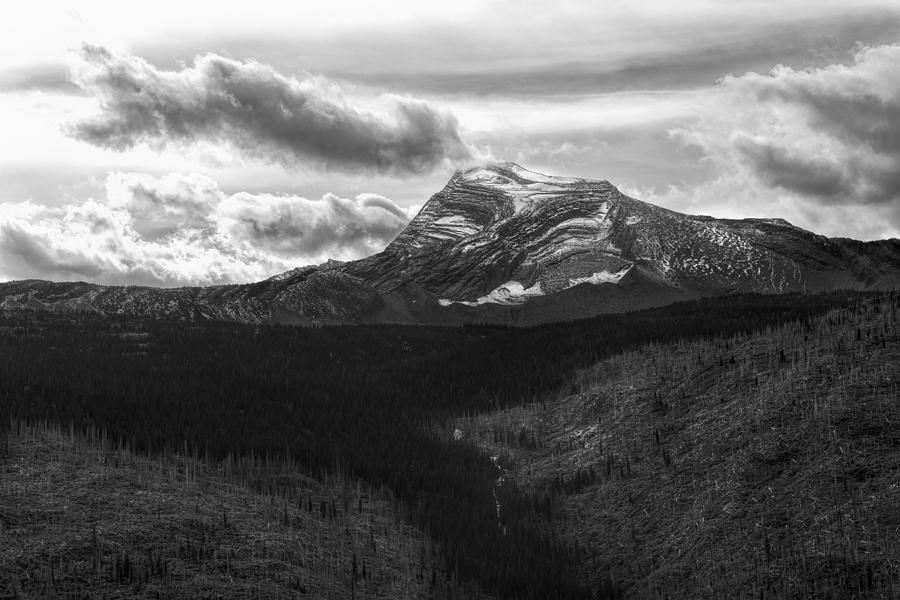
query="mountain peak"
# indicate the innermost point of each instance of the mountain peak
(510, 174)
(477, 201)
(503, 234)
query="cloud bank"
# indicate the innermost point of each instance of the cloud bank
(260, 113)
(827, 139)
(181, 229)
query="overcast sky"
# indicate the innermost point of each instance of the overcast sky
(173, 143)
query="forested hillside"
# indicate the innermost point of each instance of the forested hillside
(762, 465)
(365, 405)
(80, 517)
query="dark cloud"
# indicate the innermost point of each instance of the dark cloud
(260, 113)
(831, 134)
(182, 229)
(793, 169)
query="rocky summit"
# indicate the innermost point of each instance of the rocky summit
(502, 244)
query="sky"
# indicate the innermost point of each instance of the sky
(196, 143)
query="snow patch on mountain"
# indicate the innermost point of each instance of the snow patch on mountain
(600, 277)
(453, 227)
(504, 173)
(524, 187)
(511, 292)
(514, 292)
(524, 173)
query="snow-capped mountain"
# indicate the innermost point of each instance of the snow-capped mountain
(503, 244)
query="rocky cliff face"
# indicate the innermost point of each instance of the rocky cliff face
(504, 244)
(505, 235)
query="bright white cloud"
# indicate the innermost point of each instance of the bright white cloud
(819, 145)
(182, 229)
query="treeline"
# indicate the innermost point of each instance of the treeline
(361, 401)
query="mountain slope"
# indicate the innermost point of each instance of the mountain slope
(82, 519)
(753, 466)
(507, 245)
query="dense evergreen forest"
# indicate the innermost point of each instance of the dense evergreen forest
(362, 401)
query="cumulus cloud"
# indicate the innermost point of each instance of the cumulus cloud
(260, 113)
(826, 137)
(289, 226)
(181, 229)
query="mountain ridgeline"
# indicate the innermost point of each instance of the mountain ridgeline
(501, 244)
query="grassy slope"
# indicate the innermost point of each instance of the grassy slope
(78, 520)
(691, 475)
